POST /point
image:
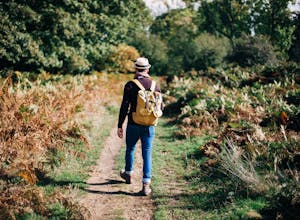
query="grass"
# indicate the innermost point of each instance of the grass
(71, 175)
(78, 157)
(75, 169)
(120, 159)
(185, 188)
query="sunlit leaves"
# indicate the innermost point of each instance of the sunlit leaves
(69, 36)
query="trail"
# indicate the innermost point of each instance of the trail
(108, 197)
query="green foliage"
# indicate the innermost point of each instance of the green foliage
(232, 19)
(30, 217)
(283, 39)
(177, 29)
(79, 36)
(200, 191)
(224, 17)
(69, 36)
(249, 33)
(58, 211)
(168, 25)
(250, 51)
(295, 48)
(205, 51)
(273, 19)
(152, 47)
(256, 112)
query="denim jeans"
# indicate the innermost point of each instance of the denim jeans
(146, 135)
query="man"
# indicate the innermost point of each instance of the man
(134, 131)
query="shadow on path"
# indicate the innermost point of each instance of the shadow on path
(113, 193)
(47, 181)
(108, 182)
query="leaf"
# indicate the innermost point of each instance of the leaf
(234, 125)
(28, 176)
(201, 148)
(283, 118)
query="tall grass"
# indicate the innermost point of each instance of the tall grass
(37, 119)
(254, 116)
(236, 163)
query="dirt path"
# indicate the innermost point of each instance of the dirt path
(108, 197)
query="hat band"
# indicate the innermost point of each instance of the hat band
(141, 65)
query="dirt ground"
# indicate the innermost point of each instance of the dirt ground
(108, 197)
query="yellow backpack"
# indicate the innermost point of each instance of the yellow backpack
(149, 105)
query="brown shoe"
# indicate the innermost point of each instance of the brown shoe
(126, 177)
(146, 191)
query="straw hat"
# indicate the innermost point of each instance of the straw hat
(142, 63)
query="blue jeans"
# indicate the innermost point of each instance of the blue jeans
(133, 134)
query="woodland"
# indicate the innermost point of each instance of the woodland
(229, 71)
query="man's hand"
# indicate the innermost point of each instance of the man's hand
(120, 132)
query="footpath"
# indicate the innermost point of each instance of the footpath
(108, 197)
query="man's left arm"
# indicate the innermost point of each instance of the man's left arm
(123, 109)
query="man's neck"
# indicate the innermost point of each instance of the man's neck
(143, 74)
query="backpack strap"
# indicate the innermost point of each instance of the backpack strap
(152, 88)
(153, 85)
(138, 84)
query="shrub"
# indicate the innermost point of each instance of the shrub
(250, 51)
(37, 120)
(122, 58)
(205, 51)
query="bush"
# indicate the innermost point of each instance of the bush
(122, 58)
(205, 51)
(250, 51)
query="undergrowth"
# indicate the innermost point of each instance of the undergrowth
(47, 141)
(254, 116)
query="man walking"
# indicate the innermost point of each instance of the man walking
(135, 131)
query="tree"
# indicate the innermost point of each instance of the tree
(177, 29)
(152, 47)
(253, 50)
(231, 19)
(167, 25)
(295, 48)
(205, 51)
(273, 18)
(225, 17)
(68, 35)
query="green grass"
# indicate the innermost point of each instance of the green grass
(74, 169)
(120, 159)
(184, 188)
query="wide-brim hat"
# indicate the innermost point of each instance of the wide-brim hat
(142, 63)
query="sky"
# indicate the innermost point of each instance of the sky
(295, 7)
(159, 7)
